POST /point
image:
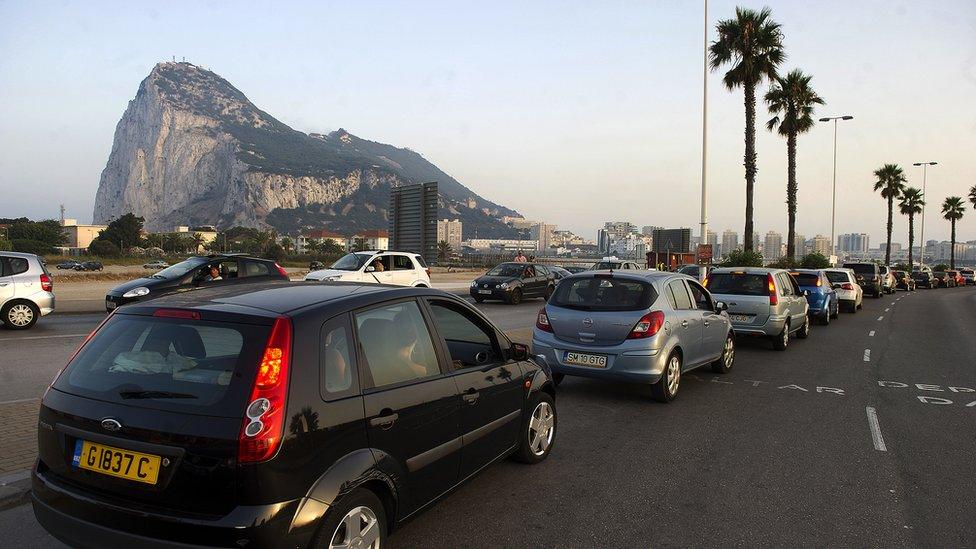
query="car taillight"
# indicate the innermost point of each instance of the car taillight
(819, 283)
(705, 282)
(647, 326)
(281, 270)
(542, 321)
(773, 298)
(847, 286)
(177, 313)
(264, 417)
(46, 283)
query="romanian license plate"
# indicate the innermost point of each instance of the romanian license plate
(580, 359)
(116, 462)
(740, 318)
(109, 304)
(484, 291)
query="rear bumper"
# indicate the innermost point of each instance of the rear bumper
(495, 293)
(773, 326)
(79, 520)
(632, 365)
(44, 302)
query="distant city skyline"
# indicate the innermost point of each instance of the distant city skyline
(568, 112)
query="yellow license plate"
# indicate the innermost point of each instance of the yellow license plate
(116, 462)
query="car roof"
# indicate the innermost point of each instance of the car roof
(639, 274)
(747, 270)
(18, 254)
(806, 271)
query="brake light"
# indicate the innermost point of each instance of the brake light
(705, 282)
(819, 283)
(542, 321)
(647, 326)
(46, 283)
(177, 313)
(773, 298)
(847, 286)
(264, 417)
(281, 270)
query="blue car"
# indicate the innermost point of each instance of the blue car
(821, 296)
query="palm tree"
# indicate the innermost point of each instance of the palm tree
(972, 196)
(443, 250)
(910, 203)
(287, 244)
(952, 210)
(791, 100)
(752, 44)
(890, 180)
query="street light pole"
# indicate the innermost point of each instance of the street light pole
(921, 232)
(833, 200)
(704, 168)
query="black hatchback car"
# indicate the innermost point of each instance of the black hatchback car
(280, 414)
(196, 272)
(512, 282)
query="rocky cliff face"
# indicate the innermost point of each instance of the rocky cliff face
(192, 150)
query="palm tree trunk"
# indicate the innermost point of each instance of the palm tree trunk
(750, 159)
(891, 208)
(911, 240)
(791, 196)
(952, 250)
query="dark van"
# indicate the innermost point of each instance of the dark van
(868, 275)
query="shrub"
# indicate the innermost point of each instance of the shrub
(815, 260)
(941, 267)
(103, 248)
(29, 246)
(6, 244)
(783, 263)
(742, 258)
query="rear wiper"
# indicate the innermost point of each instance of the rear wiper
(154, 394)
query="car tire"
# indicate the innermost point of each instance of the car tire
(479, 299)
(782, 340)
(727, 360)
(538, 431)
(516, 296)
(666, 388)
(558, 378)
(836, 312)
(826, 316)
(19, 315)
(804, 331)
(549, 290)
(342, 515)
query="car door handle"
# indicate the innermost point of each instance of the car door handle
(471, 396)
(384, 421)
(684, 323)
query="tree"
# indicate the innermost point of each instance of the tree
(124, 231)
(890, 180)
(972, 196)
(359, 245)
(287, 244)
(103, 248)
(743, 258)
(941, 267)
(752, 44)
(815, 260)
(6, 244)
(443, 251)
(791, 100)
(952, 210)
(910, 203)
(198, 241)
(48, 232)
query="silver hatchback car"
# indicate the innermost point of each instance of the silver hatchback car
(762, 301)
(26, 290)
(638, 326)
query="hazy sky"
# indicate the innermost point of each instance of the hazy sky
(573, 113)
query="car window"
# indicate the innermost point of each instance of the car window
(337, 368)
(806, 279)
(402, 263)
(3, 266)
(837, 276)
(227, 268)
(396, 344)
(382, 263)
(469, 341)
(681, 299)
(542, 270)
(529, 271)
(17, 265)
(701, 298)
(738, 283)
(256, 268)
(420, 261)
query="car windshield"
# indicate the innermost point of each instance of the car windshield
(806, 279)
(507, 269)
(181, 268)
(602, 293)
(351, 262)
(861, 268)
(738, 283)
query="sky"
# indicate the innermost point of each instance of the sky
(574, 113)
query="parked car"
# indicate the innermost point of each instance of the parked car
(89, 266)
(639, 326)
(513, 282)
(280, 415)
(956, 277)
(968, 275)
(762, 301)
(904, 281)
(695, 271)
(888, 283)
(616, 264)
(821, 295)
(850, 295)
(945, 281)
(376, 267)
(26, 290)
(196, 272)
(155, 264)
(924, 279)
(868, 276)
(575, 268)
(559, 272)
(70, 264)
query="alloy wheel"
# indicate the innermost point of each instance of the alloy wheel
(359, 529)
(20, 315)
(674, 375)
(542, 427)
(729, 356)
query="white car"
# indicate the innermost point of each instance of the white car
(849, 292)
(376, 267)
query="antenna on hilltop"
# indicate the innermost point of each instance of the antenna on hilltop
(174, 59)
(62, 215)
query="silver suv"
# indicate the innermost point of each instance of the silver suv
(766, 302)
(26, 290)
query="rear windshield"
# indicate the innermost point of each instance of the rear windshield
(836, 276)
(738, 284)
(606, 265)
(861, 268)
(603, 294)
(806, 279)
(171, 364)
(507, 269)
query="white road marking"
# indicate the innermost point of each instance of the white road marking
(871, 333)
(879, 443)
(867, 355)
(42, 337)
(881, 317)
(888, 309)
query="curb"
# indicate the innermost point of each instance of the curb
(14, 489)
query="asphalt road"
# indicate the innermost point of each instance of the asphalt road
(780, 451)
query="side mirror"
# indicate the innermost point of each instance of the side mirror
(806, 293)
(370, 268)
(721, 306)
(520, 352)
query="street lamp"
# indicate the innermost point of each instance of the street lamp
(921, 232)
(833, 200)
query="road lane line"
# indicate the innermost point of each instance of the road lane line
(888, 309)
(881, 317)
(871, 333)
(42, 337)
(879, 443)
(867, 355)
